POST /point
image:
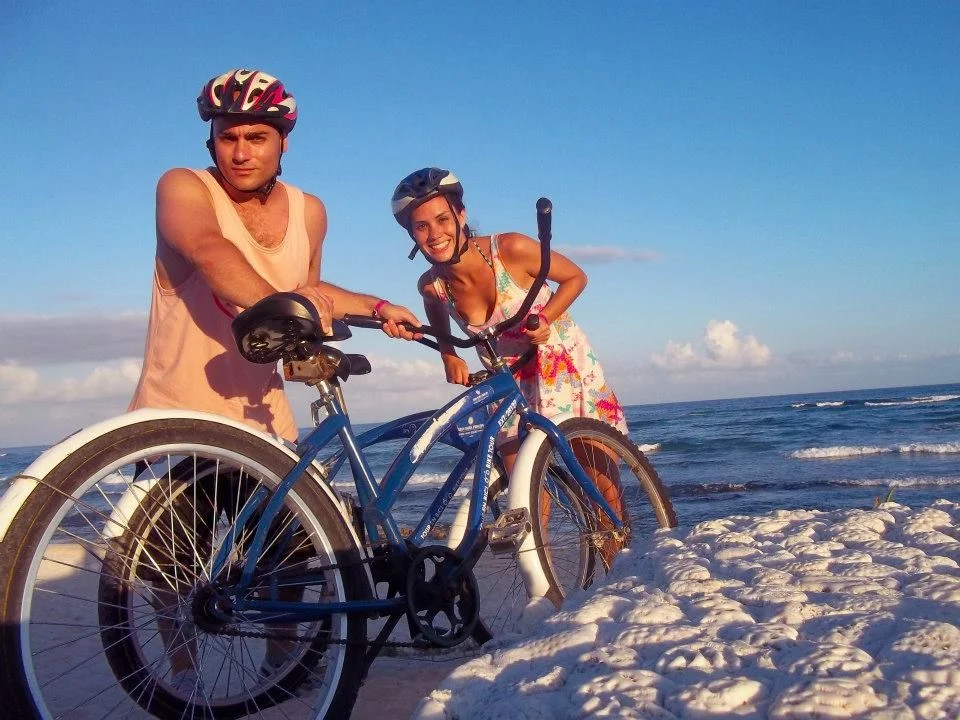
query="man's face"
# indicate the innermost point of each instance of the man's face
(434, 228)
(248, 154)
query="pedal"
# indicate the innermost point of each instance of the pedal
(508, 532)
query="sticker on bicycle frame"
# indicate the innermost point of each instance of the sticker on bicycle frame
(437, 426)
(471, 425)
(448, 496)
(488, 458)
(481, 394)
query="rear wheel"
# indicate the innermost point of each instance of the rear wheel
(106, 605)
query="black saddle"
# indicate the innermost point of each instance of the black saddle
(283, 326)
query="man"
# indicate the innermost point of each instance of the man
(227, 237)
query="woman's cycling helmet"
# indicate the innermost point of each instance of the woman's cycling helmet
(420, 186)
(249, 93)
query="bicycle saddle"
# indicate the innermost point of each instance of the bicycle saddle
(282, 326)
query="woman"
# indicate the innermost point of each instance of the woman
(480, 280)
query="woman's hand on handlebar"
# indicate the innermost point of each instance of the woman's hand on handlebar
(456, 369)
(398, 322)
(537, 328)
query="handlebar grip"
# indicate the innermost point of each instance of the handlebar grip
(477, 377)
(532, 322)
(364, 321)
(544, 218)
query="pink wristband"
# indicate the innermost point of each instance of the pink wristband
(376, 308)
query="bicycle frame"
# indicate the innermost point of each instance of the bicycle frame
(377, 500)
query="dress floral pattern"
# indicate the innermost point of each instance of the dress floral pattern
(566, 376)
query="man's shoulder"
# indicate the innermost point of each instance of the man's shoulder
(180, 179)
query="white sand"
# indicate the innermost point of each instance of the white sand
(800, 614)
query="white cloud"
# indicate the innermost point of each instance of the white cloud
(101, 382)
(17, 384)
(676, 357)
(594, 254)
(20, 385)
(724, 348)
(842, 357)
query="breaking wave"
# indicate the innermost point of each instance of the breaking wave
(847, 451)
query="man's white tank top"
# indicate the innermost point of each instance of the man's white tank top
(191, 360)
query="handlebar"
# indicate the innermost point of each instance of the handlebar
(544, 235)
(544, 224)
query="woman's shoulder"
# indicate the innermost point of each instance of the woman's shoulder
(510, 241)
(516, 247)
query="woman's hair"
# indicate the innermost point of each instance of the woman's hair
(456, 203)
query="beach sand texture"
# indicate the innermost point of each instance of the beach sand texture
(793, 614)
(84, 686)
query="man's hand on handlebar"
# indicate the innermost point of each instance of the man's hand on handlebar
(393, 315)
(322, 302)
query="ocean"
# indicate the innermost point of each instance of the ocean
(752, 455)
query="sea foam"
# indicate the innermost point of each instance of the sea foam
(846, 451)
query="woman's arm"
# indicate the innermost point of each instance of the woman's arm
(438, 318)
(521, 256)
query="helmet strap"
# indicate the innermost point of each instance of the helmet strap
(459, 248)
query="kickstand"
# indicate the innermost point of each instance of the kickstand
(377, 645)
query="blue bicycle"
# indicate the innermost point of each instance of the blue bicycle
(182, 565)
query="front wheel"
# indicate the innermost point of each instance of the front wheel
(574, 541)
(104, 603)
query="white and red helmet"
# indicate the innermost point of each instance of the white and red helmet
(250, 93)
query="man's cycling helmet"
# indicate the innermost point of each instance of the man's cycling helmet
(249, 93)
(420, 186)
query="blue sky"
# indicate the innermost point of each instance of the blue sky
(765, 195)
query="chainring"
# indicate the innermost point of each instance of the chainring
(443, 599)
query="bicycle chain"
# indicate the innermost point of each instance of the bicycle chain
(264, 635)
(274, 635)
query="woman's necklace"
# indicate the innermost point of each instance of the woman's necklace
(487, 260)
(482, 254)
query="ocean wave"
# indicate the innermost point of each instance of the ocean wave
(945, 481)
(648, 448)
(847, 451)
(919, 400)
(877, 402)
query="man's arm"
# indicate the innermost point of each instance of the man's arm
(189, 238)
(345, 302)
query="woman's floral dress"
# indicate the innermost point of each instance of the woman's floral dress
(566, 376)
